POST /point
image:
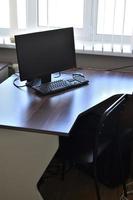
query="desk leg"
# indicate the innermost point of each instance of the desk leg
(24, 157)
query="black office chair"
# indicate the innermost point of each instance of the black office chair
(93, 133)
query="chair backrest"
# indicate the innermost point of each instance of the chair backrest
(114, 164)
(113, 113)
(109, 125)
(87, 125)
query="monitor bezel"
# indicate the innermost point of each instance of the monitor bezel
(45, 77)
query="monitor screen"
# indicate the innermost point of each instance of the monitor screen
(40, 54)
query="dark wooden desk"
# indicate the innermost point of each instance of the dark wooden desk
(23, 109)
(30, 125)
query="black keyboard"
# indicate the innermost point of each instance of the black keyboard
(60, 85)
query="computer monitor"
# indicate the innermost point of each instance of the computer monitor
(40, 54)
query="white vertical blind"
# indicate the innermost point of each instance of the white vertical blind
(43, 12)
(93, 30)
(13, 14)
(21, 14)
(115, 24)
(31, 14)
(123, 25)
(104, 26)
(4, 14)
(61, 13)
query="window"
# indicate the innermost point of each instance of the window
(21, 14)
(58, 13)
(100, 25)
(103, 26)
(114, 24)
(115, 17)
(14, 14)
(4, 14)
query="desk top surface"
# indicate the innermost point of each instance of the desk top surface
(55, 114)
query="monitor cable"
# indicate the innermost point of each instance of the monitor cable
(17, 79)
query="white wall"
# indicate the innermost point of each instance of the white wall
(8, 55)
(104, 62)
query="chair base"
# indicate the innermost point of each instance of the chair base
(129, 191)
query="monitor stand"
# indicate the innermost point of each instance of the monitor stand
(39, 81)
